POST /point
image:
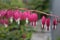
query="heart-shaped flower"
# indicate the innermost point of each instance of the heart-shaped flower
(43, 21)
(16, 14)
(2, 13)
(48, 23)
(54, 23)
(4, 22)
(9, 13)
(33, 19)
(27, 14)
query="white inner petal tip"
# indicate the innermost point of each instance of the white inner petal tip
(5, 25)
(26, 20)
(18, 21)
(11, 19)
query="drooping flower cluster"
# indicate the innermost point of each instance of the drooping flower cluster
(17, 15)
(9, 15)
(47, 22)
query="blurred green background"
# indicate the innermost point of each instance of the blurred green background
(42, 5)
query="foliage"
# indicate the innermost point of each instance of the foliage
(17, 3)
(13, 33)
(42, 5)
(11, 4)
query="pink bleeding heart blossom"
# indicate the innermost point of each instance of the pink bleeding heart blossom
(16, 14)
(43, 21)
(48, 23)
(9, 13)
(33, 19)
(4, 21)
(27, 14)
(54, 23)
(2, 13)
(22, 16)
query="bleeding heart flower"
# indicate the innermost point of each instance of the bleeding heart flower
(1, 21)
(43, 21)
(22, 16)
(16, 15)
(9, 13)
(27, 14)
(4, 22)
(54, 24)
(2, 13)
(33, 19)
(48, 23)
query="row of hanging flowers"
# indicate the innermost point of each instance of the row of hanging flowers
(17, 15)
(27, 15)
(47, 22)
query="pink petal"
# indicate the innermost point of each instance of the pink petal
(9, 13)
(48, 22)
(43, 20)
(35, 17)
(27, 14)
(4, 21)
(16, 14)
(2, 13)
(54, 22)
